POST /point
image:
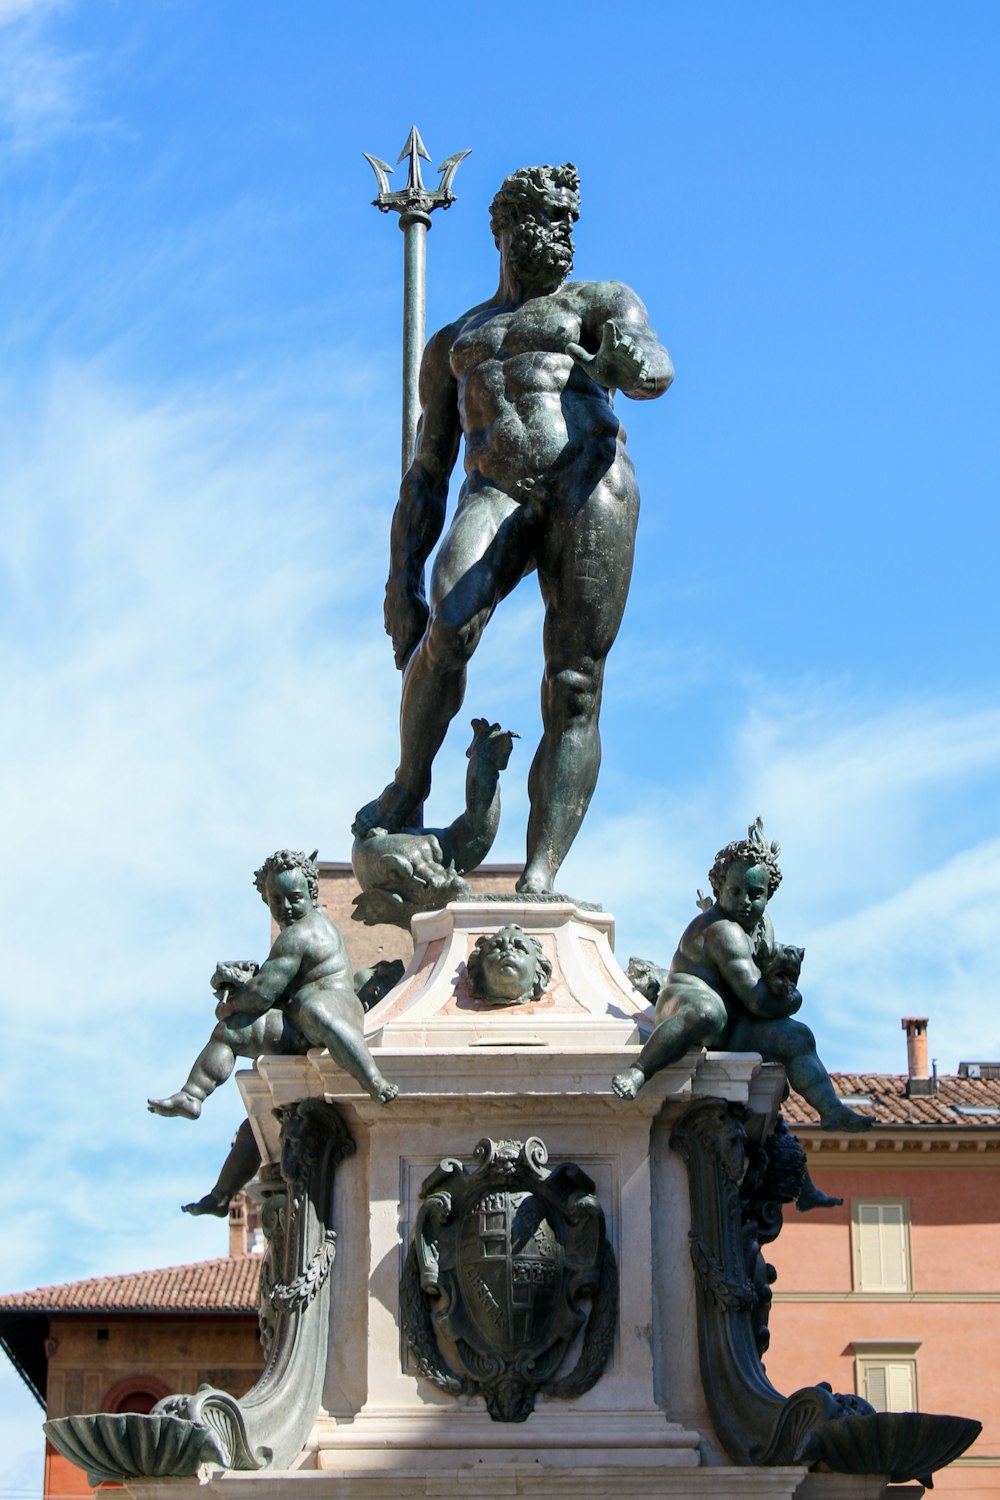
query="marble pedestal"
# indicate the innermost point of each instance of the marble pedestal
(543, 1069)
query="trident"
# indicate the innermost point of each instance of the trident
(415, 203)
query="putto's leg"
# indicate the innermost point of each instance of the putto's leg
(695, 1022)
(211, 1067)
(812, 1197)
(346, 1044)
(791, 1043)
(237, 1170)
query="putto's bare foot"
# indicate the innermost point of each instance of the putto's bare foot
(813, 1197)
(383, 1092)
(842, 1118)
(626, 1085)
(182, 1104)
(210, 1204)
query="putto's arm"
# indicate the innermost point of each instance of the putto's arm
(423, 497)
(730, 951)
(620, 350)
(269, 985)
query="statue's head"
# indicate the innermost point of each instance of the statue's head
(532, 218)
(745, 875)
(508, 967)
(289, 885)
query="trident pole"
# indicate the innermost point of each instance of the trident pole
(414, 203)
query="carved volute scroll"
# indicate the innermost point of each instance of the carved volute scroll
(267, 1427)
(756, 1424)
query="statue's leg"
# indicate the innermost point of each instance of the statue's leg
(695, 1018)
(480, 560)
(584, 569)
(792, 1044)
(211, 1067)
(323, 1023)
(237, 1169)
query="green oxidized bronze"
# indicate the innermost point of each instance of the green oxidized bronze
(731, 986)
(509, 1262)
(528, 379)
(411, 870)
(266, 1428)
(414, 204)
(301, 996)
(508, 967)
(737, 1194)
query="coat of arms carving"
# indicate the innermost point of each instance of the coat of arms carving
(509, 1263)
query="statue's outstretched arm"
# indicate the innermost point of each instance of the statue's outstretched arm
(423, 498)
(620, 350)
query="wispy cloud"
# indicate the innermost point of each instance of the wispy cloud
(43, 91)
(892, 889)
(194, 675)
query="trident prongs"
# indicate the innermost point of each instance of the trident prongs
(414, 203)
(415, 197)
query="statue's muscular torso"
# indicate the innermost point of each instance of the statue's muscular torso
(527, 410)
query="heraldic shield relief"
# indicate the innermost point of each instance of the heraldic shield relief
(509, 1262)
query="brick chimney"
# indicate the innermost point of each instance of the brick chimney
(238, 1224)
(919, 1080)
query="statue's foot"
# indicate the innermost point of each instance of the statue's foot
(534, 882)
(393, 810)
(843, 1118)
(626, 1085)
(382, 1091)
(210, 1204)
(812, 1197)
(182, 1104)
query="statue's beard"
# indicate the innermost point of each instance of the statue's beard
(539, 255)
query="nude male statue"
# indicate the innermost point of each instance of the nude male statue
(528, 379)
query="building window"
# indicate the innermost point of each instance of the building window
(886, 1375)
(880, 1242)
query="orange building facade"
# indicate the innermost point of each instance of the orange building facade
(896, 1294)
(120, 1343)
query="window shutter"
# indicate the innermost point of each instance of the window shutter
(899, 1380)
(889, 1384)
(876, 1386)
(881, 1248)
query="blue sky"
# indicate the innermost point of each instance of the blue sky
(199, 328)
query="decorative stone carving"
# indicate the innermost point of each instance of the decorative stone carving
(267, 1427)
(755, 1423)
(508, 967)
(503, 1264)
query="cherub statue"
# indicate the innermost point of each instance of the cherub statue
(301, 996)
(421, 869)
(730, 985)
(243, 1159)
(508, 967)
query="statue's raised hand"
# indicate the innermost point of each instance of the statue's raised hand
(618, 365)
(406, 616)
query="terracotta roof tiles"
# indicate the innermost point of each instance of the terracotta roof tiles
(227, 1285)
(890, 1105)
